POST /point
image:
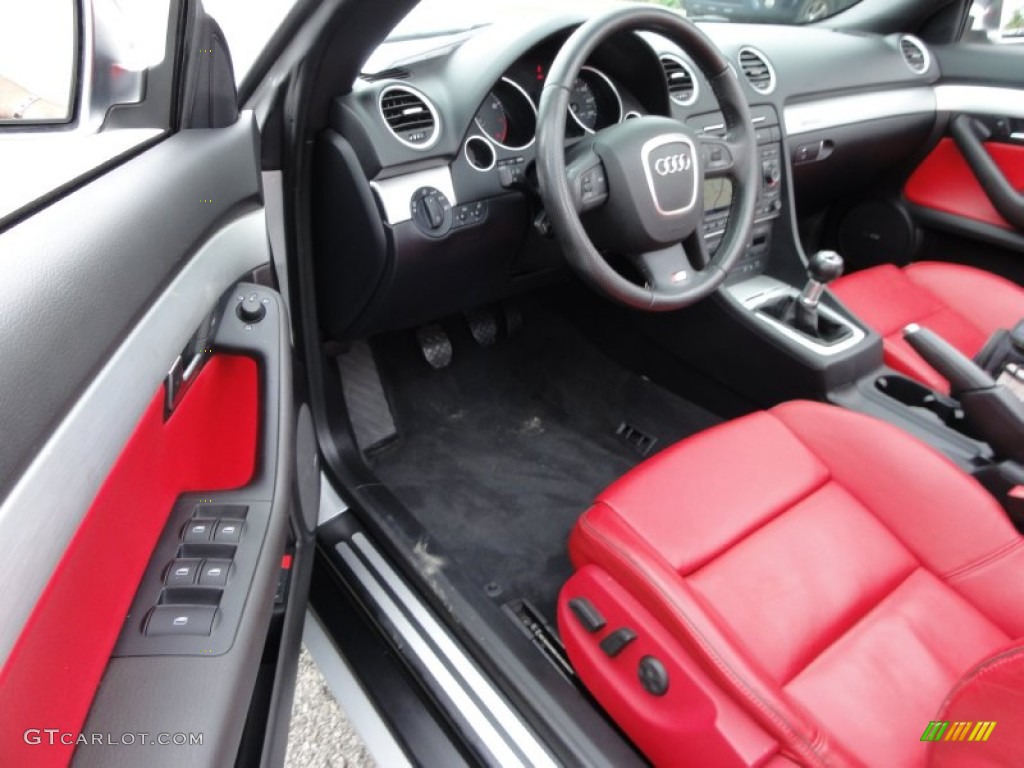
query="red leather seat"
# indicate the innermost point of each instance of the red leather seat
(962, 304)
(813, 582)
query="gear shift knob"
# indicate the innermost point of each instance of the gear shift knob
(822, 268)
(825, 266)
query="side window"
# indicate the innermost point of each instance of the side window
(37, 60)
(1000, 22)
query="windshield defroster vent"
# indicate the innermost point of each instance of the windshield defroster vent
(410, 116)
(915, 54)
(757, 69)
(682, 85)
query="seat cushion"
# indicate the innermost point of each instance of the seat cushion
(962, 304)
(811, 562)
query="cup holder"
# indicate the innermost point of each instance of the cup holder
(915, 395)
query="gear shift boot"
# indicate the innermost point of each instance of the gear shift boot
(789, 311)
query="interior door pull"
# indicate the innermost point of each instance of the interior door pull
(1007, 200)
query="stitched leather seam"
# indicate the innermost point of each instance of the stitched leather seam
(964, 570)
(701, 564)
(716, 660)
(854, 624)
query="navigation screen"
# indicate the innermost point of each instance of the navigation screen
(717, 194)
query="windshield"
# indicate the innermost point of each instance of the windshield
(438, 17)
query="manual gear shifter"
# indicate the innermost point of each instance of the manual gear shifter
(800, 311)
(822, 268)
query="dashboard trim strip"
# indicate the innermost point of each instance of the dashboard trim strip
(980, 99)
(845, 110)
(395, 193)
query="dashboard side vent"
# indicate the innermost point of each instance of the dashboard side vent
(915, 54)
(682, 85)
(410, 116)
(757, 69)
(395, 73)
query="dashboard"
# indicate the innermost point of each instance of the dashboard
(436, 151)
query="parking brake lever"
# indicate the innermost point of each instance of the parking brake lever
(991, 411)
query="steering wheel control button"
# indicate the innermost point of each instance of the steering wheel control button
(198, 530)
(431, 211)
(214, 573)
(229, 531)
(181, 572)
(181, 620)
(587, 615)
(616, 641)
(250, 309)
(653, 676)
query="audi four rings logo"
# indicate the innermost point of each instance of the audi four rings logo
(664, 166)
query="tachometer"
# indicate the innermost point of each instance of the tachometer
(492, 118)
(583, 104)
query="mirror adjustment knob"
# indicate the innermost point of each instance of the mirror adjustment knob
(251, 309)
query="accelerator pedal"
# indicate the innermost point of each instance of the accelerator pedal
(368, 409)
(435, 346)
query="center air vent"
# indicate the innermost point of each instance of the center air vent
(757, 69)
(410, 116)
(682, 85)
(915, 54)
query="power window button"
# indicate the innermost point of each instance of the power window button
(214, 573)
(181, 572)
(197, 530)
(229, 531)
(181, 620)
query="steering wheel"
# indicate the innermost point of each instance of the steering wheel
(638, 185)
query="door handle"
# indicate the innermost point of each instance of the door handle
(1007, 200)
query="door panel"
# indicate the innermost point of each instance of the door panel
(207, 443)
(945, 182)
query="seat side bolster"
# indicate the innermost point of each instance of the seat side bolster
(694, 722)
(602, 536)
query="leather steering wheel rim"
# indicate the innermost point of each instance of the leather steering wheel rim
(689, 282)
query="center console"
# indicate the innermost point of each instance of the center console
(718, 192)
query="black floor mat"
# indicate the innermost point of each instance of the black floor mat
(501, 451)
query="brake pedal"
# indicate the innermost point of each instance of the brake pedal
(483, 325)
(435, 346)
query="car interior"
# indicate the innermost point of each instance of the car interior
(506, 325)
(637, 388)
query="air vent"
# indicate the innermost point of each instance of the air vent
(682, 85)
(395, 73)
(410, 116)
(757, 69)
(915, 54)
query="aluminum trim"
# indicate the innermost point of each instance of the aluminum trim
(533, 134)
(395, 194)
(92, 435)
(846, 110)
(523, 738)
(980, 100)
(417, 643)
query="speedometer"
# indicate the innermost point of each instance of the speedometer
(583, 104)
(492, 118)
